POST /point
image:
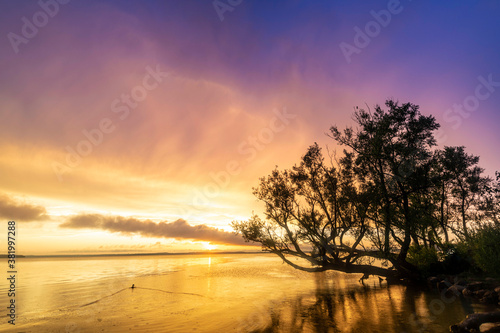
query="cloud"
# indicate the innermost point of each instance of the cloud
(179, 229)
(11, 209)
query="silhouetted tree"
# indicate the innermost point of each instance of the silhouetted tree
(361, 214)
(314, 214)
(490, 205)
(467, 184)
(440, 194)
(392, 152)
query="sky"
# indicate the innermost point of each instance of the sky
(142, 126)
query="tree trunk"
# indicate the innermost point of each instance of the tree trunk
(387, 208)
(391, 274)
(407, 240)
(464, 222)
(443, 199)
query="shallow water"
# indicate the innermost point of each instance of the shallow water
(215, 293)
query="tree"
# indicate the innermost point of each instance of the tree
(489, 206)
(314, 212)
(385, 205)
(346, 216)
(440, 194)
(392, 151)
(467, 185)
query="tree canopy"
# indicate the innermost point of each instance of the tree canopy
(390, 189)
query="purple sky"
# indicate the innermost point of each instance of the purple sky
(227, 81)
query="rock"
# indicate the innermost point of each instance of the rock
(497, 290)
(475, 320)
(461, 282)
(489, 297)
(475, 286)
(490, 328)
(480, 293)
(467, 292)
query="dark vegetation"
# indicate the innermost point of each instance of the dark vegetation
(391, 204)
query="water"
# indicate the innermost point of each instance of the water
(214, 293)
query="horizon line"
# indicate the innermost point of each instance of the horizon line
(130, 254)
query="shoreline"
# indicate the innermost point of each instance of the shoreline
(133, 254)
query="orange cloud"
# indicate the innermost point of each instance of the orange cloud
(12, 209)
(178, 229)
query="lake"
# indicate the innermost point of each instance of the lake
(214, 293)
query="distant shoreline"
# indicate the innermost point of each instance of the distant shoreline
(132, 254)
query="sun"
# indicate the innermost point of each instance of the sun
(209, 246)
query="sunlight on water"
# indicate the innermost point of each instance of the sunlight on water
(214, 293)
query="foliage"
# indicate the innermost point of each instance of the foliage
(423, 257)
(390, 197)
(485, 248)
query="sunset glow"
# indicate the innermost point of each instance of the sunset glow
(210, 247)
(250, 166)
(143, 126)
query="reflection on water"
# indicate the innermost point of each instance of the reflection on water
(361, 309)
(234, 293)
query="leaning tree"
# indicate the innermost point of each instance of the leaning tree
(357, 214)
